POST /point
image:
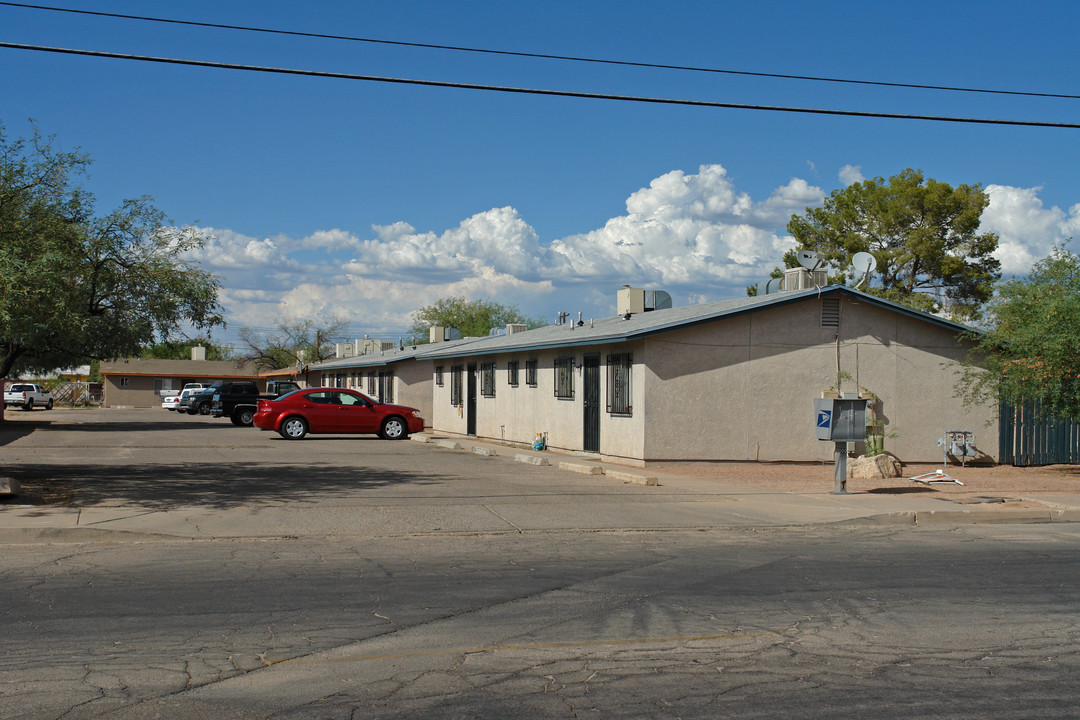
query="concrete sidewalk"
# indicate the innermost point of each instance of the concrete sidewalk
(652, 501)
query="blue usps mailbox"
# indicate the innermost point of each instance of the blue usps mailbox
(840, 420)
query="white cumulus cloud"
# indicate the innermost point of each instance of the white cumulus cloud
(1027, 230)
(850, 174)
(687, 230)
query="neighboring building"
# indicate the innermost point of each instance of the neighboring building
(140, 383)
(724, 381)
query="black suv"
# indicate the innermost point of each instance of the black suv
(239, 400)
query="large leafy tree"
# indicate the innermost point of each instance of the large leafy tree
(292, 343)
(75, 286)
(474, 318)
(1029, 350)
(923, 233)
(181, 349)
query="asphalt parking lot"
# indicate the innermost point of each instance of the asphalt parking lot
(153, 472)
(156, 471)
(187, 568)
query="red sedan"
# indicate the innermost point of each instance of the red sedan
(335, 410)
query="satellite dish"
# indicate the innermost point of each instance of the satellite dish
(809, 260)
(864, 264)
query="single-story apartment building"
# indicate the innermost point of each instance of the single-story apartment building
(141, 382)
(726, 381)
(401, 374)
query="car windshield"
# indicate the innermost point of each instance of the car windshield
(22, 387)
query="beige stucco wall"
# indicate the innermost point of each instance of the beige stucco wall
(743, 388)
(412, 386)
(412, 382)
(140, 390)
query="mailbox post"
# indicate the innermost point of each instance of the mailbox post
(840, 420)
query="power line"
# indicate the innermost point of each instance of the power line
(544, 56)
(533, 91)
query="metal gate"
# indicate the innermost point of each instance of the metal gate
(470, 399)
(591, 396)
(1030, 437)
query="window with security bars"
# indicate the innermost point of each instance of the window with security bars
(530, 372)
(564, 378)
(618, 384)
(456, 372)
(386, 386)
(512, 373)
(371, 386)
(487, 379)
(439, 375)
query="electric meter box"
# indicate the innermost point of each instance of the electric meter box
(840, 419)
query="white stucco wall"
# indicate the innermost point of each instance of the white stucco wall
(517, 414)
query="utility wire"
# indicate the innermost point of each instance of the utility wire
(530, 91)
(545, 56)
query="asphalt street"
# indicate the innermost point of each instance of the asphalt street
(422, 582)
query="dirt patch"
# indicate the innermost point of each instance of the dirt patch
(810, 478)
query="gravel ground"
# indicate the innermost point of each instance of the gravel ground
(996, 481)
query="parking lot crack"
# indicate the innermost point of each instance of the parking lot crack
(505, 520)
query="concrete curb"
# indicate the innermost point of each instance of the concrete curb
(937, 518)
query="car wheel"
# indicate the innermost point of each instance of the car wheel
(394, 428)
(29, 404)
(293, 428)
(48, 405)
(244, 417)
(204, 408)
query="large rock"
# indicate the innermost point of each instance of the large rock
(877, 467)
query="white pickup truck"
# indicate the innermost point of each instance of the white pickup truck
(28, 396)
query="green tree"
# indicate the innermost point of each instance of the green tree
(923, 234)
(181, 349)
(1029, 351)
(293, 343)
(76, 287)
(474, 318)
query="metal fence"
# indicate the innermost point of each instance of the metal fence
(77, 393)
(1031, 437)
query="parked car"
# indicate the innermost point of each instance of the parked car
(199, 403)
(335, 410)
(172, 402)
(27, 396)
(237, 400)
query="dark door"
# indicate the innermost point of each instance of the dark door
(590, 392)
(470, 399)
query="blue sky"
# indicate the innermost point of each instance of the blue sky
(326, 197)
